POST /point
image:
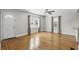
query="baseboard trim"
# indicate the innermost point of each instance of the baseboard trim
(21, 35)
(58, 33)
(9, 38)
(68, 34)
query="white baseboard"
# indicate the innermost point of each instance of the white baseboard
(69, 34)
(17, 35)
(63, 33)
(21, 35)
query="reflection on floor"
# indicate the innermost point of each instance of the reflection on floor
(40, 41)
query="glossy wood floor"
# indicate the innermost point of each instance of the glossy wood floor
(40, 41)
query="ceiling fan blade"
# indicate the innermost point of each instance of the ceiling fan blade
(52, 11)
(49, 13)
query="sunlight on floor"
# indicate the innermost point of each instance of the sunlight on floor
(34, 42)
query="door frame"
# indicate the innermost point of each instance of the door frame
(29, 29)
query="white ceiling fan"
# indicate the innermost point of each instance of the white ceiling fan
(47, 11)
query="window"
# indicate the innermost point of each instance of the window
(34, 22)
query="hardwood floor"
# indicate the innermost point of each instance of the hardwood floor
(40, 41)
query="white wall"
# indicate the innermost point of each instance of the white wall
(43, 23)
(21, 21)
(48, 23)
(21, 27)
(69, 20)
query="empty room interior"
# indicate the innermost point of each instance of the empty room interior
(39, 29)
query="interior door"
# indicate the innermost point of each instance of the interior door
(8, 26)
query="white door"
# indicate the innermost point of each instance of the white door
(8, 27)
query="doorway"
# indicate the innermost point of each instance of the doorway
(33, 24)
(56, 24)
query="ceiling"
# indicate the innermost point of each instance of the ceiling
(57, 11)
